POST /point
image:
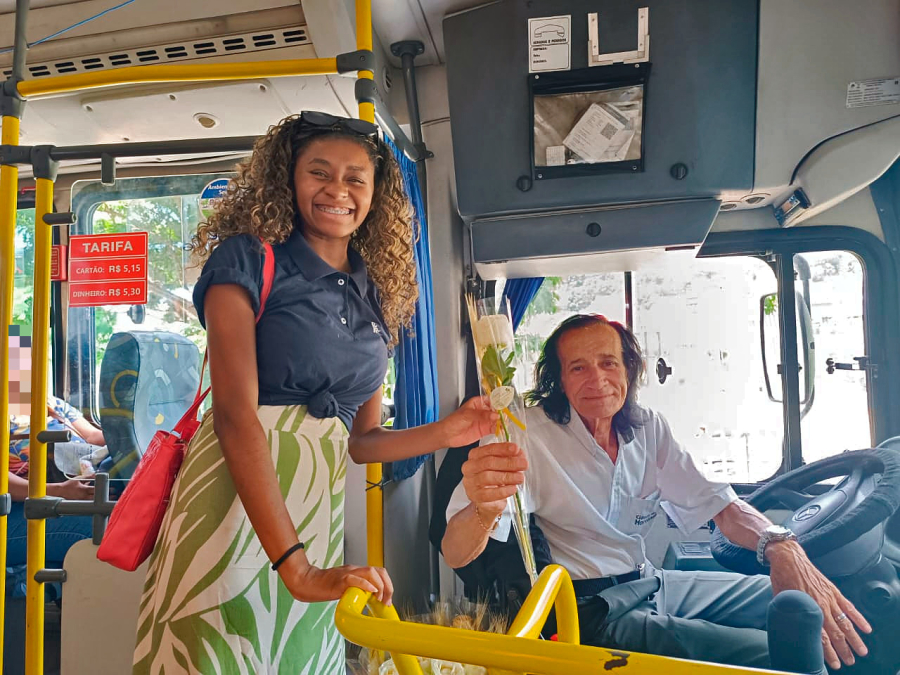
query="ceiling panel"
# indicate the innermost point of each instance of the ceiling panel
(422, 20)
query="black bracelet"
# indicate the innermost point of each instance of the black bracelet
(287, 554)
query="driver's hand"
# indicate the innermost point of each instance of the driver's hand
(792, 570)
(492, 473)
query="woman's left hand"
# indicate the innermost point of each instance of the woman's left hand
(470, 423)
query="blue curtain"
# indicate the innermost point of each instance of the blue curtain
(416, 393)
(520, 293)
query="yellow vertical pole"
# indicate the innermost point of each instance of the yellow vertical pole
(9, 181)
(374, 473)
(364, 42)
(37, 452)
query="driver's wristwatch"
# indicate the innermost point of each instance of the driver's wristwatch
(770, 534)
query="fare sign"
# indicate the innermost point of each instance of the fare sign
(108, 269)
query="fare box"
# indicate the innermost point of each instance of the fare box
(99, 293)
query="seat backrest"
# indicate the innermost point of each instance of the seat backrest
(148, 379)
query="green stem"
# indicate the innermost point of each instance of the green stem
(504, 427)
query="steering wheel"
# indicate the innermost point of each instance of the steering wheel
(850, 512)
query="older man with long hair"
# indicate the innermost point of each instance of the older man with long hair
(598, 469)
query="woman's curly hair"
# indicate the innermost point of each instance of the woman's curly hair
(260, 201)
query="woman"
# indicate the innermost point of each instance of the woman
(265, 472)
(61, 532)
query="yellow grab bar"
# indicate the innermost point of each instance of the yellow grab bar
(9, 181)
(176, 73)
(553, 588)
(37, 452)
(518, 652)
(374, 472)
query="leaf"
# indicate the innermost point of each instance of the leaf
(496, 368)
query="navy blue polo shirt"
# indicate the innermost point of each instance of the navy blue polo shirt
(321, 340)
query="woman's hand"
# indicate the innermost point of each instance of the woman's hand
(71, 489)
(313, 584)
(469, 424)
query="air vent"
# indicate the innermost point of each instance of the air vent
(229, 44)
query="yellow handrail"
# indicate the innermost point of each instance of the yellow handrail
(9, 181)
(553, 588)
(176, 73)
(37, 451)
(521, 653)
(374, 472)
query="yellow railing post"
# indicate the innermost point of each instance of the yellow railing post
(552, 589)
(374, 472)
(9, 180)
(37, 451)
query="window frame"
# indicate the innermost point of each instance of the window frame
(880, 312)
(81, 347)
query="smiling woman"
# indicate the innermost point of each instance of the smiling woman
(334, 182)
(263, 478)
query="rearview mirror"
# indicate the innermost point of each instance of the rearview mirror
(770, 334)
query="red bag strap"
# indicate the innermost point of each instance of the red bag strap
(268, 277)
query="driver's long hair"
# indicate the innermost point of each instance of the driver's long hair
(548, 392)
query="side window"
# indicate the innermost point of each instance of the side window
(558, 299)
(700, 318)
(168, 209)
(836, 416)
(170, 222)
(23, 268)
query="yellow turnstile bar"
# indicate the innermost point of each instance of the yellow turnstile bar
(519, 653)
(37, 451)
(9, 180)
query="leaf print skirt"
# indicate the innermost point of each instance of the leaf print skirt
(211, 603)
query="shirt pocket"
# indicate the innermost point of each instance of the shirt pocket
(637, 514)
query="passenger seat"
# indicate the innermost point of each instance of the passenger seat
(148, 379)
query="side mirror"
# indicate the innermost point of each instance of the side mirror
(770, 335)
(137, 314)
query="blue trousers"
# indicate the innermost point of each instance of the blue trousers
(62, 533)
(703, 616)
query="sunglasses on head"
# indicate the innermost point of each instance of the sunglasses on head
(321, 120)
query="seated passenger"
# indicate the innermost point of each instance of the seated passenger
(598, 467)
(61, 532)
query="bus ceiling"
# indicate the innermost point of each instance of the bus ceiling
(717, 108)
(726, 114)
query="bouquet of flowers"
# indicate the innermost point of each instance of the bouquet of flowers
(495, 352)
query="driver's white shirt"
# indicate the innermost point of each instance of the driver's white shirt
(594, 513)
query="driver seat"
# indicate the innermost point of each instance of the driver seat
(148, 379)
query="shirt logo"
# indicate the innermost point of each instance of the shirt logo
(376, 328)
(644, 519)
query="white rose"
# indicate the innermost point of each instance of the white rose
(494, 329)
(446, 668)
(475, 670)
(388, 668)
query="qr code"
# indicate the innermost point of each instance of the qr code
(609, 131)
(19, 372)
